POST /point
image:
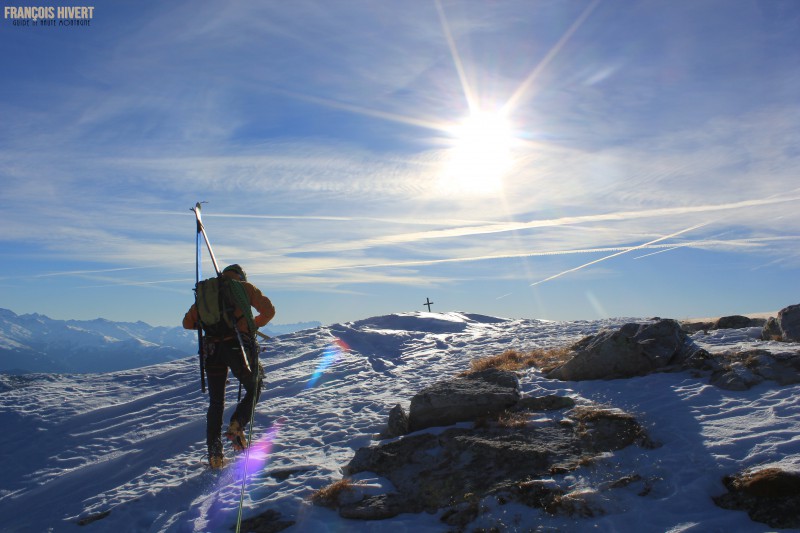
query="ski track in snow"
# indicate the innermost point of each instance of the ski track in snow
(133, 443)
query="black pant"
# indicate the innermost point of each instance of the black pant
(221, 356)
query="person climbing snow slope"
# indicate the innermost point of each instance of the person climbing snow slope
(222, 351)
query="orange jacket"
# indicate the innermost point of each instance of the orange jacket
(266, 311)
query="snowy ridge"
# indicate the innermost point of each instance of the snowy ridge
(131, 443)
(37, 343)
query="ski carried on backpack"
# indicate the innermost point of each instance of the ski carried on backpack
(198, 273)
(216, 300)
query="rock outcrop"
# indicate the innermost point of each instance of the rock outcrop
(633, 350)
(269, 521)
(725, 322)
(738, 322)
(398, 423)
(449, 469)
(742, 370)
(786, 327)
(772, 330)
(639, 349)
(482, 394)
(770, 496)
(501, 454)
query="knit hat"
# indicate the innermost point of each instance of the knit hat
(236, 268)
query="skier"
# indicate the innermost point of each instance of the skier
(223, 352)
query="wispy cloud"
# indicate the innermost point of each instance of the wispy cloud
(322, 164)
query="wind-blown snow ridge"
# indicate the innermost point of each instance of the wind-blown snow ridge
(132, 442)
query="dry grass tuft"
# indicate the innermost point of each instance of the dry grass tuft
(512, 360)
(511, 420)
(505, 419)
(550, 358)
(330, 496)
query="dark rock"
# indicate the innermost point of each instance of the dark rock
(694, 327)
(725, 322)
(461, 515)
(770, 496)
(420, 449)
(431, 472)
(738, 322)
(735, 377)
(377, 507)
(501, 378)
(285, 473)
(535, 493)
(789, 321)
(398, 422)
(606, 429)
(783, 368)
(480, 394)
(93, 518)
(633, 350)
(545, 403)
(702, 360)
(772, 330)
(743, 370)
(267, 522)
(786, 327)
(625, 481)
(435, 471)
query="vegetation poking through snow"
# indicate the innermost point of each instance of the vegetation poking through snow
(504, 419)
(513, 360)
(331, 495)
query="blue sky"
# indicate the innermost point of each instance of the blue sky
(621, 159)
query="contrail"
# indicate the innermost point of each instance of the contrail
(188, 281)
(503, 227)
(541, 253)
(106, 270)
(652, 245)
(620, 253)
(328, 218)
(737, 242)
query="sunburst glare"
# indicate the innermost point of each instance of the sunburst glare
(481, 154)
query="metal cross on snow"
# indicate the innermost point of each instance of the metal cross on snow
(428, 302)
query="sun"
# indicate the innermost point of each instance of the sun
(480, 155)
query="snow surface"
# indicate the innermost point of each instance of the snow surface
(132, 442)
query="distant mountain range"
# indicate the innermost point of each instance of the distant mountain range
(37, 343)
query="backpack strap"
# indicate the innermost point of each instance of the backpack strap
(242, 302)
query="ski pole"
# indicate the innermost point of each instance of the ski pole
(256, 395)
(197, 271)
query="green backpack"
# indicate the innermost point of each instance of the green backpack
(217, 299)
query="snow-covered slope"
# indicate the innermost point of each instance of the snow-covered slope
(131, 443)
(37, 343)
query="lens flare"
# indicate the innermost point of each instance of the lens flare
(260, 450)
(330, 355)
(216, 513)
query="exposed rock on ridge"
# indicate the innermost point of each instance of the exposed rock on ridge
(633, 350)
(463, 399)
(453, 468)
